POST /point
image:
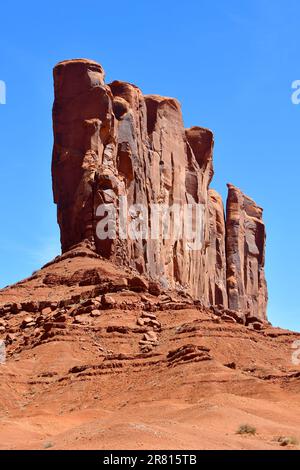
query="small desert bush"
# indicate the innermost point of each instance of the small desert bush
(288, 441)
(48, 444)
(246, 429)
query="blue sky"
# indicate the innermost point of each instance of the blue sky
(231, 64)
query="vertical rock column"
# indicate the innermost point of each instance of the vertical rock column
(209, 264)
(83, 127)
(216, 252)
(245, 248)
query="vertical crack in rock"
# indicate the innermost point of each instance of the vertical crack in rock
(111, 142)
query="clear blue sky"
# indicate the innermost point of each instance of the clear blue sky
(230, 63)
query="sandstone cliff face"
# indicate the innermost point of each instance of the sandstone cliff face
(112, 142)
(245, 246)
(216, 253)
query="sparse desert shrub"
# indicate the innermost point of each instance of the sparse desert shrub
(288, 441)
(48, 444)
(246, 429)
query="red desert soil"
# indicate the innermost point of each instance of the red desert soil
(96, 361)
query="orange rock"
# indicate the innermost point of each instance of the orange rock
(111, 141)
(245, 246)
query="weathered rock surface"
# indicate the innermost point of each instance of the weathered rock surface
(111, 141)
(245, 246)
(85, 362)
(110, 344)
(216, 252)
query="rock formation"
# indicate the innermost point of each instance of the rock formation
(134, 341)
(245, 248)
(112, 143)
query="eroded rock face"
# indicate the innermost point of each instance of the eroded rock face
(245, 246)
(216, 252)
(112, 143)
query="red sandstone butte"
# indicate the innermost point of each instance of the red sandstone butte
(109, 141)
(144, 344)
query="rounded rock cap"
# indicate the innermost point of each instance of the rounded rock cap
(75, 76)
(78, 61)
